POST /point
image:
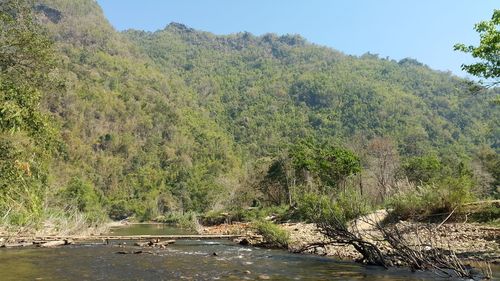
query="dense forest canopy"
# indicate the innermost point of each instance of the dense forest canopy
(147, 123)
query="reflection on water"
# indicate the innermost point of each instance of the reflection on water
(185, 260)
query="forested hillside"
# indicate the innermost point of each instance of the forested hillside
(150, 123)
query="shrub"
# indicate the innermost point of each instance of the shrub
(347, 205)
(120, 210)
(280, 212)
(433, 200)
(214, 218)
(187, 220)
(486, 213)
(82, 195)
(273, 234)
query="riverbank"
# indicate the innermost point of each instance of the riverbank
(471, 242)
(28, 234)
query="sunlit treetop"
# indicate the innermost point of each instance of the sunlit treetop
(488, 51)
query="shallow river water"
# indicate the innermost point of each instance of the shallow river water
(184, 260)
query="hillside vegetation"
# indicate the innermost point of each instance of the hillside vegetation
(148, 124)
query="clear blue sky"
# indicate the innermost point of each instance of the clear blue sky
(421, 29)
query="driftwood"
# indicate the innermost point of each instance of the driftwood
(155, 243)
(16, 245)
(133, 252)
(410, 246)
(425, 255)
(38, 243)
(129, 237)
(165, 243)
(337, 231)
(56, 243)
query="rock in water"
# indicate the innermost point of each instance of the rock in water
(244, 242)
(141, 244)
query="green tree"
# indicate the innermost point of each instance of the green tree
(26, 61)
(488, 51)
(27, 139)
(422, 169)
(279, 181)
(330, 164)
(83, 195)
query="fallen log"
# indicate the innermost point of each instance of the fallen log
(154, 243)
(56, 243)
(16, 245)
(165, 243)
(133, 252)
(133, 237)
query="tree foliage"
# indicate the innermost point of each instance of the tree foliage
(487, 52)
(331, 164)
(28, 140)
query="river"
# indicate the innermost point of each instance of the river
(184, 260)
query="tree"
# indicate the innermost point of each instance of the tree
(423, 169)
(488, 51)
(331, 165)
(314, 165)
(279, 181)
(26, 61)
(27, 138)
(385, 163)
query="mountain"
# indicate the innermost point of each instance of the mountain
(181, 119)
(282, 88)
